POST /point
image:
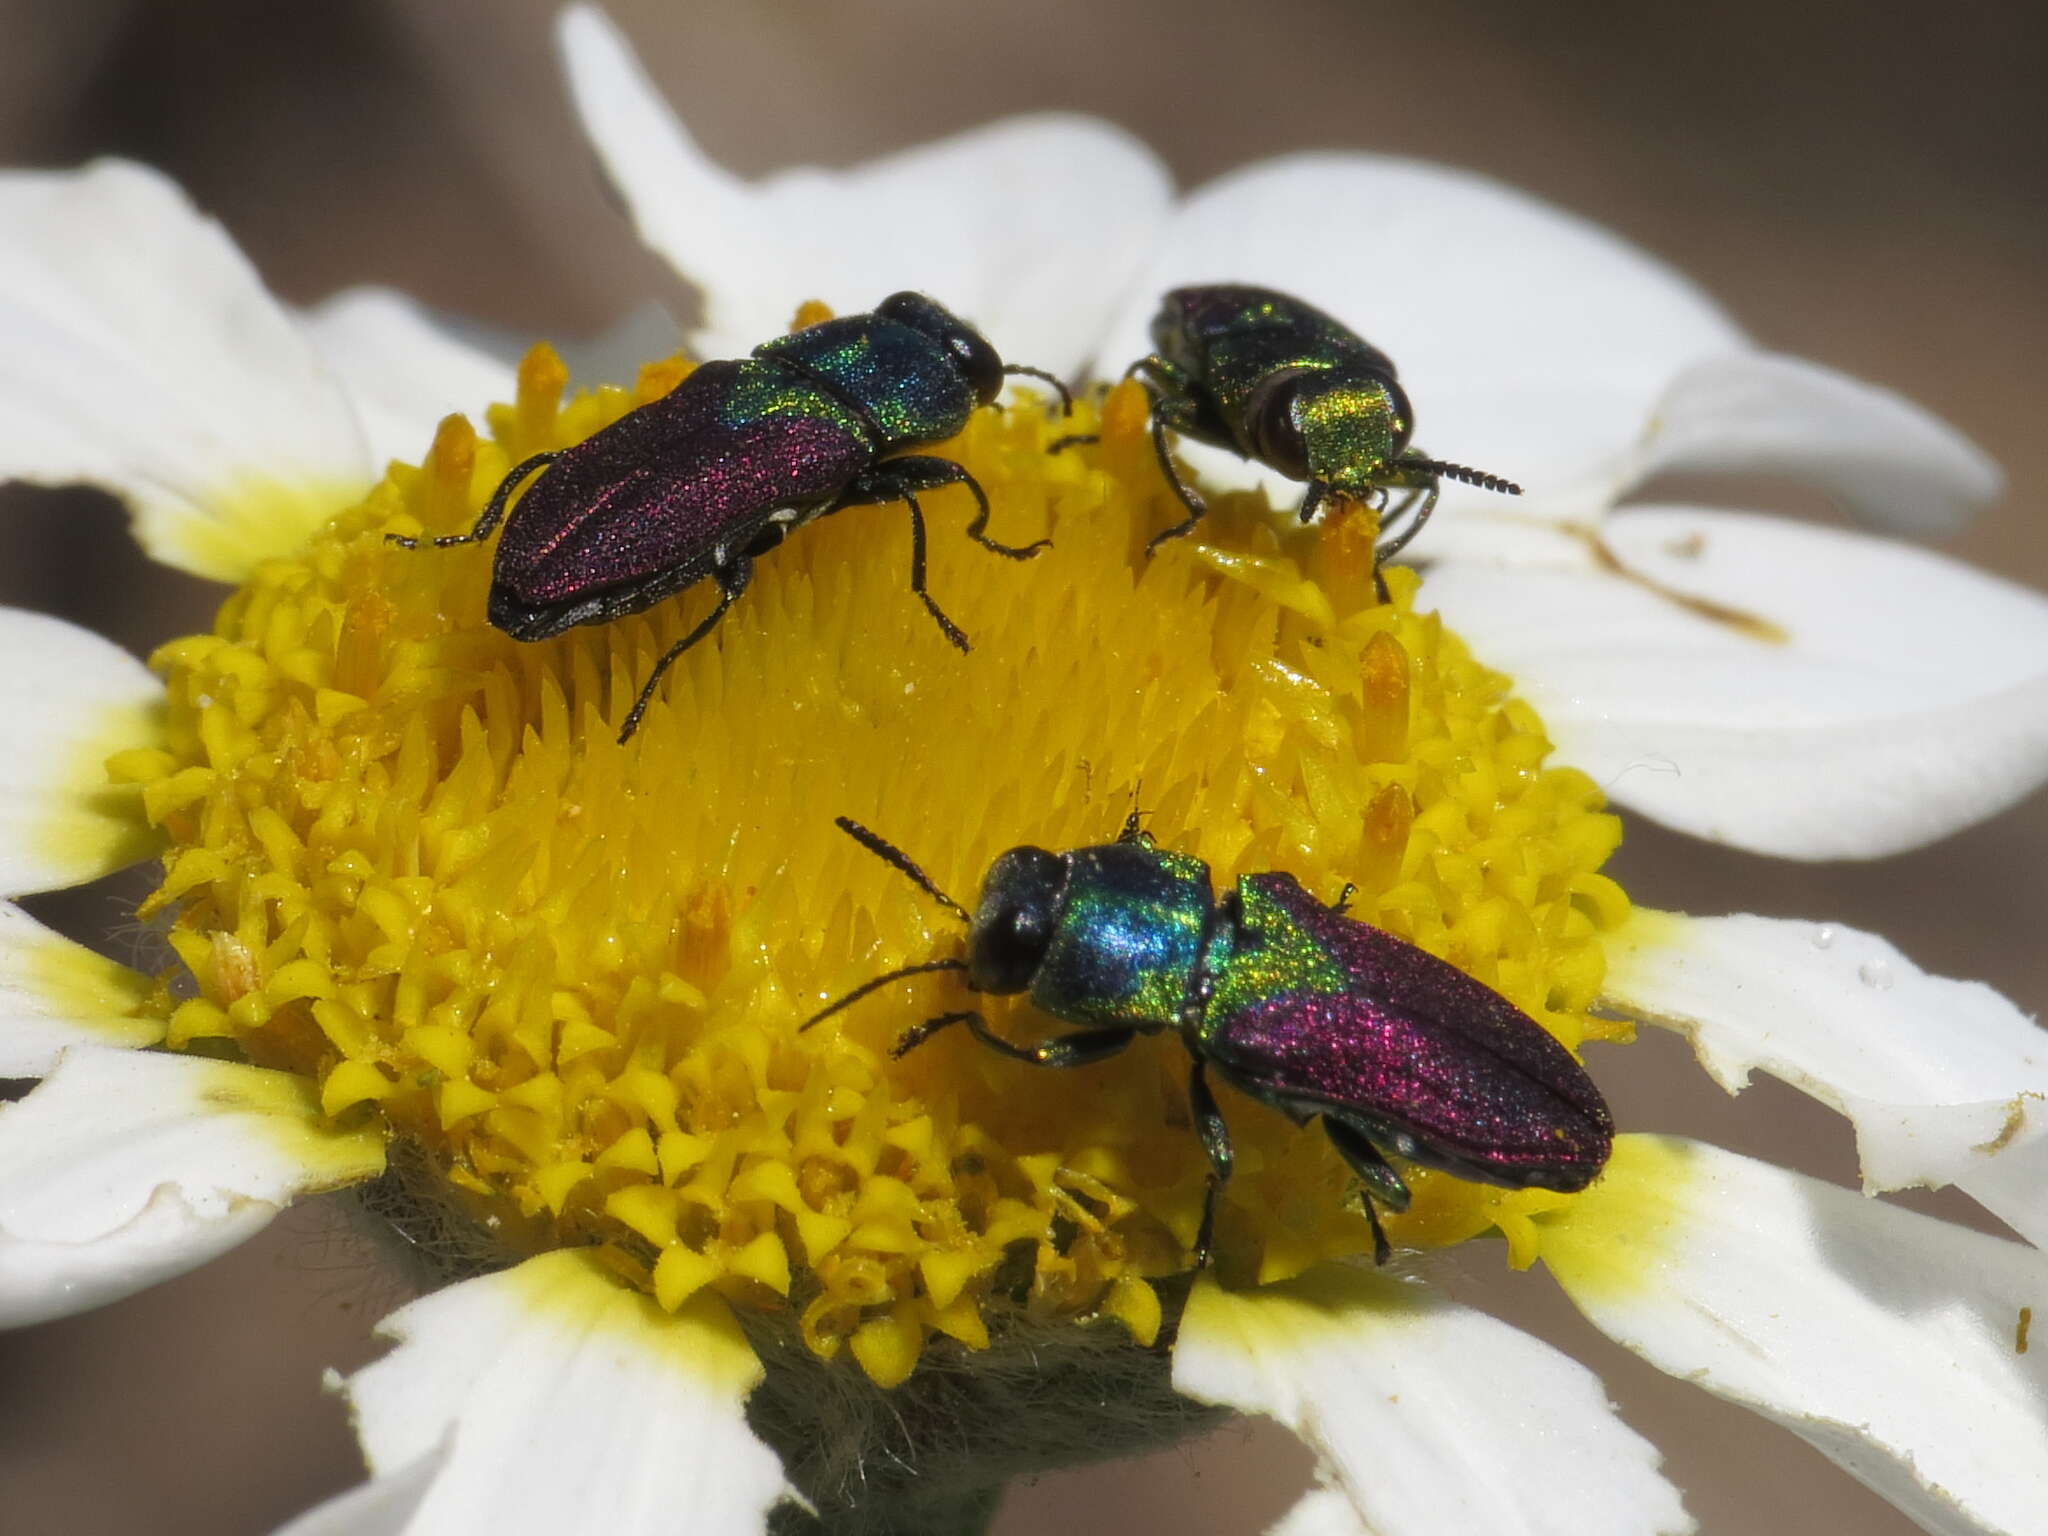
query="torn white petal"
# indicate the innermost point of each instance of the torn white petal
(2013, 1185)
(1892, 463)
(568, 1403)
(403, 371)
(1889, 1341)
(384, 1506)
(1939, 1077)
(55, 994)
(68, 701)
(1030, 228)
(1532, 343)
(1804, 691)
(144, 355)
(127, 1167)
(1429, 1418)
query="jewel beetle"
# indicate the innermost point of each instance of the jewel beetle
(1274, 379)
(1286, 999)
(741, 453)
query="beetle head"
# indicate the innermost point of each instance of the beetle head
(1014, 920)
(1343, 429)
(978, 362)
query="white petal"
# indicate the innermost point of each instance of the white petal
(2014, 1184)
(1894, 464)
(128, 1167)
(1031, 228)
(1320, 1512)
(1430, 1418)
(144, 355)
(384, 1506)
(1902, 697)
(1886, 1339)
(1533, 344)
(1940, 1077)
(54, 994)
(402, 371)
(68, 701)
(569, 1404)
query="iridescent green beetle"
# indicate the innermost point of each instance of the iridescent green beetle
(1279, 381)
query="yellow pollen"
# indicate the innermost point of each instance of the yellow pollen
(410, 861)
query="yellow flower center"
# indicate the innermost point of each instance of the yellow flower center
(411, 861)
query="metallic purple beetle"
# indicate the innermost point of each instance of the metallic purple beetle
(725, 466)
(1399, 1053)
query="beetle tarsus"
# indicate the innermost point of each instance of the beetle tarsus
(1215, 1135)
(732, 581)
(1205, 1234)
(978, 529)
(1382, 1251)
(951, 630)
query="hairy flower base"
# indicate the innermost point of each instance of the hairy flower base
(410, 860)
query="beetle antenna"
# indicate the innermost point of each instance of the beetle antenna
(1066, 400)
(876, 985)
(1460, 472)
(899, 861)
(1134, 830)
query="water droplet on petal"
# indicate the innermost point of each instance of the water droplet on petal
(1875, 973)
(1823, 937)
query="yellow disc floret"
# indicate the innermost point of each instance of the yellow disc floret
(411, 861)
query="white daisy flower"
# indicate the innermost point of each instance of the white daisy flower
(436, 929)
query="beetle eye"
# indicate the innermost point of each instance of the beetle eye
(1013, 922)
(1404, 414)
(1275, 433)
(979, 362)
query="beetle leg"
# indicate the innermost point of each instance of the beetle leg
(901, 480)
(1431, 488)
(978, 529)
(1375, 1173)
(951, 630)
(894, 478)
(1197, 508)
(1072, 440)
(1216, 1142)
(732, 580)
(1083, 1048)
(1168, 386)
(1155, 372)
(1317, 490)
(493, 513)
(1392, 519)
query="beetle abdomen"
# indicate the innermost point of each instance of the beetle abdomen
(1394, 1039)
(1424, 1092)
(667, 486)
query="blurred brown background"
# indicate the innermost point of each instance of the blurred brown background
(1860, 184)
